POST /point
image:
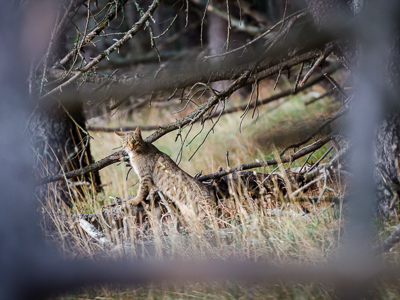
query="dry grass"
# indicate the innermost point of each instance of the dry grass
(252, 230)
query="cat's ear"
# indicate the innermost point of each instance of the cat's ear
(138, 133)
(121, 135)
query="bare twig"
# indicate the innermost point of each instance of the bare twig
(300, 13)
(316, 65)
(277, 79)
(335, 84)
(326, 123)
(128, 35)
(46, 57)
(305, 162)
(95, 32)
(296, 83)
(320, 159)
(223, 14)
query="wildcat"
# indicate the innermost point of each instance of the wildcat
(156, 169)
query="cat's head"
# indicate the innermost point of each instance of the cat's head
(132, 141)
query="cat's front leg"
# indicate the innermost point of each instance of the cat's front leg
(144, 189)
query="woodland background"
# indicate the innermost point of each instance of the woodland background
(302, 92)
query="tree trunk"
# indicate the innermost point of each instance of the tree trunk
(60, 145)
(387, 160)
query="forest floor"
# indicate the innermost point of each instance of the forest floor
(254, 230)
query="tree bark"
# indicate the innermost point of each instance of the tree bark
(58, 143)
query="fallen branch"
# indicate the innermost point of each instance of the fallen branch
(93, 232)
(109, 160)
(304, 151)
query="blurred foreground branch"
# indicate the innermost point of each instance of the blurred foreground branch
(243, 107)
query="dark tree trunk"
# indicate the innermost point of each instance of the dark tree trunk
(329, 12)
(217, 39)
(58, 136)
(387, 160)
(217, 31)
(58, 144)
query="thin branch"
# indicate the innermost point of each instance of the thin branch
(211, 129)
(316, 65)
(326, 123)
(279, 95)
(46, 57)
(202, 23)
(240, 82)
(229, 25)
(320, 159)
(129, 35)
(305, 162)
(296, 83)
(298, 14)
(277, 79)
(95, 32)
(335, 84)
